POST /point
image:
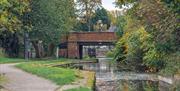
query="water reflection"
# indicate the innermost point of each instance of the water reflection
(103, 65)
(127, 85)
(134, 85)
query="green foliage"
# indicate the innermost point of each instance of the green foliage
(50, 19)
(125, 44)
(150, 34)
(11, 12)
(80, 26)
(121, 22)
(173, 4)
(98, 14)
(79, 89)
(85, 12)
(154, 59)
(101, 14)
(172, 65)
(120, 50)
(134, 43)
(86, 57)
(91, 77)
(110, 54)
(129, 48)
(150, 87)
(121, 3)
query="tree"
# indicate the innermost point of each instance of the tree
(173, 5)
(11, 13)
(50, 19)
(121, 22)
(160, 43)
(127, 3)
(101, 14)
(86, 9)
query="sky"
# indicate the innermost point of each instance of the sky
(108, 4)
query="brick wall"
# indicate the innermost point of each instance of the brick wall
(92, 37)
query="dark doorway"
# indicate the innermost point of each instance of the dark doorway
(80, 51)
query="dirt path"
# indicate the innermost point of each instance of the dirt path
(19, 80)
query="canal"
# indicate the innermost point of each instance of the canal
(111, 77)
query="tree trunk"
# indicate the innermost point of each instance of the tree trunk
(51, 48)
(36, 47)
(41, 49)
(26, 45)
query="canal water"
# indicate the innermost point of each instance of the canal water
(110, 77)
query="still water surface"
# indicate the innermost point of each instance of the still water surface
(110, 77)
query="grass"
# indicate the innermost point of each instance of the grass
(2, 79)
(4, 60)
(60, 76)
(79, 89)
(90, 79)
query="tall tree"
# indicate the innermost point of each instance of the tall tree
(11, 12)
(86, 9)
(11, 22)
(50, 19)
(121, 22)
(101, 14)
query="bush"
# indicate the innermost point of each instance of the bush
(154, 59)
(86, 57)
(172, 66)
(110, 54)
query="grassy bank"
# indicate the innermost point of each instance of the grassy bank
(4, 60)
(61, 76)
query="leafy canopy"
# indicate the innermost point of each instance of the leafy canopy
(50, 19)
(11, 12)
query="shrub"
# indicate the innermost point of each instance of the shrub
(110, 54)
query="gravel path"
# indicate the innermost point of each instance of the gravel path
(19, 80)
